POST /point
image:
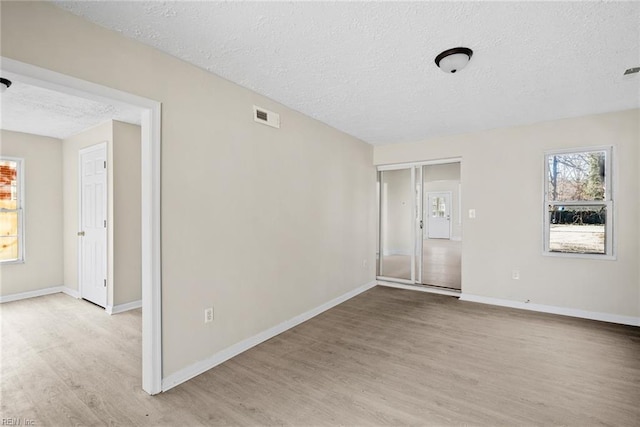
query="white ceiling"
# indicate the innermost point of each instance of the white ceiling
(35, 110)
(367, 68)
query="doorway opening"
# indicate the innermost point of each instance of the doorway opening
(150, 196)
(420, 224)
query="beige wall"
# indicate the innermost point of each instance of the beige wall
(127, 262)
(441, 172)
(263, 224)
(397, 220)
(503, 169)
(43, 213)
(123, 241)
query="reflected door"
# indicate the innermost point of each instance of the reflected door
(397, 217)
(441, 261)
(439, 212)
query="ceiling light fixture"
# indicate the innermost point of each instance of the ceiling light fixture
(4, 84)
(454, 60)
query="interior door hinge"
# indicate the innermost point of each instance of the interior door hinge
(105, 223)
(105, 283)
(105, 164)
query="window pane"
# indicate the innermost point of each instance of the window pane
(8, 184)
(8, 248)
(576, 176)
(8, 223)
(577, 229)
(439, 207)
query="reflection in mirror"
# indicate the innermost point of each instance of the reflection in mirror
(396, 223)
(441, 235)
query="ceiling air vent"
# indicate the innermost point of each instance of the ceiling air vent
(266, 117)
(632, 71)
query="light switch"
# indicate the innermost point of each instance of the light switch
(472, 213)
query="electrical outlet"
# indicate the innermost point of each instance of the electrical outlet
(208, 315)
(472, 213)
(515, 274)
(365, 263)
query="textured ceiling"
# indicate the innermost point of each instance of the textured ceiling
(367, 68)
(31, 109)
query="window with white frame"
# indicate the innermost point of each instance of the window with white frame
(11, 210)
(578, 202)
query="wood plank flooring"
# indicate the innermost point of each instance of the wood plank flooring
(386, 357)
(441, 264)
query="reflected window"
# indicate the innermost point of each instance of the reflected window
(11, 212)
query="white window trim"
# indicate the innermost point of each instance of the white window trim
(21, 209)
(608, 202)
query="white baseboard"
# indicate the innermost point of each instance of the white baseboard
(226, 354)
(120, 308)
(71, 292)
(395, 252)
(40, 292)
(572, 312)
(419, 288)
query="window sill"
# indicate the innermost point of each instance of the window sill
(579, 256)
(10, 262)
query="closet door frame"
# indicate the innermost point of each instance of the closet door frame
(417, 226)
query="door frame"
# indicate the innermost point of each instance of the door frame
(89, 149)
(450, 193)
(150, 197)
(417, 206)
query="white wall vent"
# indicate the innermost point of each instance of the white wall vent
(266, 117)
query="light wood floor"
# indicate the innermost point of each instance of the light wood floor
(441, 264)
(386, 357)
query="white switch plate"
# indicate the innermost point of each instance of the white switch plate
(515, 274)
(472, 213)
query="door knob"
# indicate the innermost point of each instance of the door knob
(80, 233)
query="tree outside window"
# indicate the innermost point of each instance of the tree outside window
(578, 202)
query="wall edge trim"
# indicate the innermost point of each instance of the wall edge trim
(36, 293)
(71, 292)
(563, 311)
(419, 288)
(121, 308)
(222, 356)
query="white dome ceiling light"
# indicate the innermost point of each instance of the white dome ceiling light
(4, 84)
(454, 60)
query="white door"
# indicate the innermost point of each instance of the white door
(93, 224)
(438, 212)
